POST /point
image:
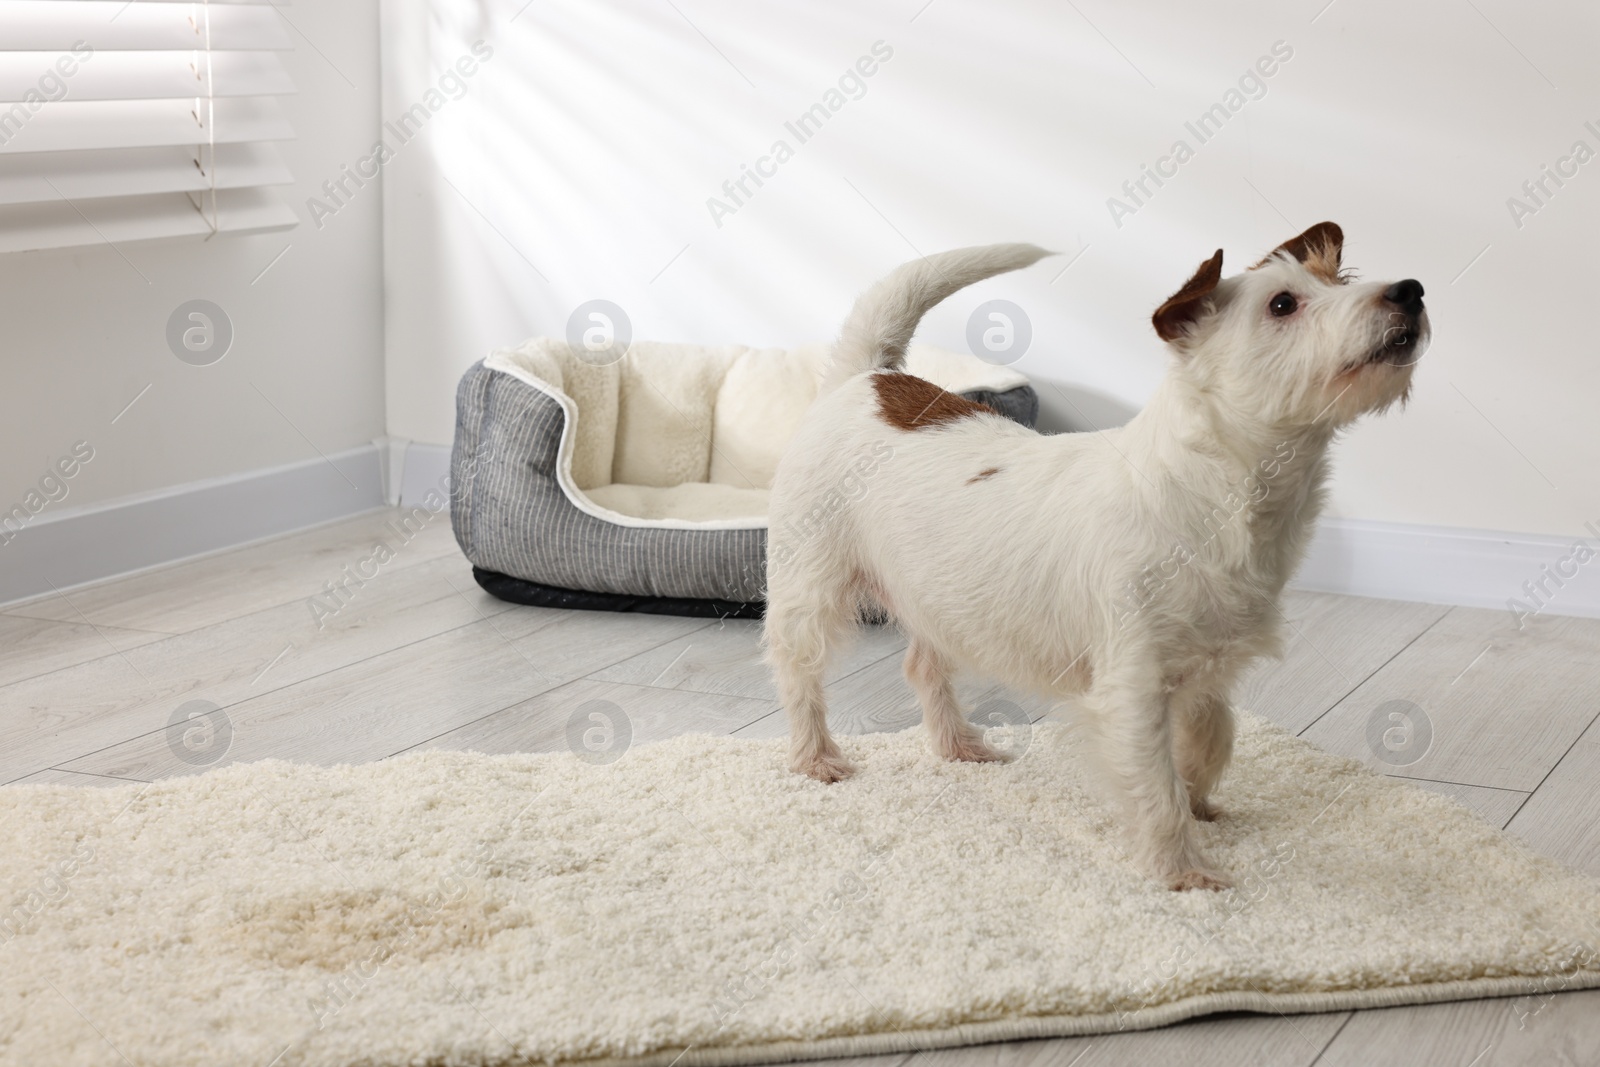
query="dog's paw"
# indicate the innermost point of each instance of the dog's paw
(1205, 810)
(972, 750)
(1199, 879)
(823, 767)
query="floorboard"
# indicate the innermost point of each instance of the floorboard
(1504, 703)
(31, 647)
(358, 713)
(1218, 1041)
(200, 592)
(1562, 819)
(631, 715)
(65, 713)
(52, 776)
(726, 658)
(1558, 1031)
(1331, 645)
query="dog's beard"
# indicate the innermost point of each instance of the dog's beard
(1401, 350)
(1379, 377)
(1373, 384)
(1400, 346)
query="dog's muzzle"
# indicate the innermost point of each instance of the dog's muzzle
(1406, 333)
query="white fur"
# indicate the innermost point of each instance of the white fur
(1118, 566)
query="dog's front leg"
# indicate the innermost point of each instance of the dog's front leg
(1134, 727)
(953, 737)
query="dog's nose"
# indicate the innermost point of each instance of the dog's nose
(1406, 295)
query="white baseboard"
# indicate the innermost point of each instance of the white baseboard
(425, 469)
(1436, 565)
(392, 462)
(1448, 565)
(60, 550)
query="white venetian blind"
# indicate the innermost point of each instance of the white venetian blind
(128, 121)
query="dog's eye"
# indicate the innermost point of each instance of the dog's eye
(1283, 304)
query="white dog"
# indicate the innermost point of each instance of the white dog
(1139, 567)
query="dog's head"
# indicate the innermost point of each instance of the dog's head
(1295, 340)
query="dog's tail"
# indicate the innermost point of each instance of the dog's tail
(880, 326)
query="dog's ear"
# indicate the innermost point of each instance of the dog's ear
(1172, 319)
(1321, 248)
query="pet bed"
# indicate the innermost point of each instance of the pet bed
(641, 484)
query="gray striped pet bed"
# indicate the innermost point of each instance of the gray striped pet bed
(640, 484)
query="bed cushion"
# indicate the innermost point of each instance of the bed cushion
(759, 406)
(666, 399)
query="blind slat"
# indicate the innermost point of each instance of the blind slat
(105, 25)
(40, 177)
(72, 124)
(142, 76)
(35, 227)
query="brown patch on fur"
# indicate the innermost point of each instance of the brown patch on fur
(1320, 248)
(988, 472)
(907, 402)
(1183, 307)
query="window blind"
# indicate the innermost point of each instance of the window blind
(126, 121)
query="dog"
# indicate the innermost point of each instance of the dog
(1137, 569)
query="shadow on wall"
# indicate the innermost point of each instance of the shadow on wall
(1068, 408)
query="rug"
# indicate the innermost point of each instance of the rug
(693, 903)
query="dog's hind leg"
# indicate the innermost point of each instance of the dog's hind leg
(954, 738)
(799, 637)
(1132, 724)
(1202, 746)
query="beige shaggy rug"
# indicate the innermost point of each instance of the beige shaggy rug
(449, 908)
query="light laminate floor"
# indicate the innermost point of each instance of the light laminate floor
(418, 656)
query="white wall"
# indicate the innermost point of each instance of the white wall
(583, 153)
(83, 332)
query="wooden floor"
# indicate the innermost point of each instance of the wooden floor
(418, 656)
